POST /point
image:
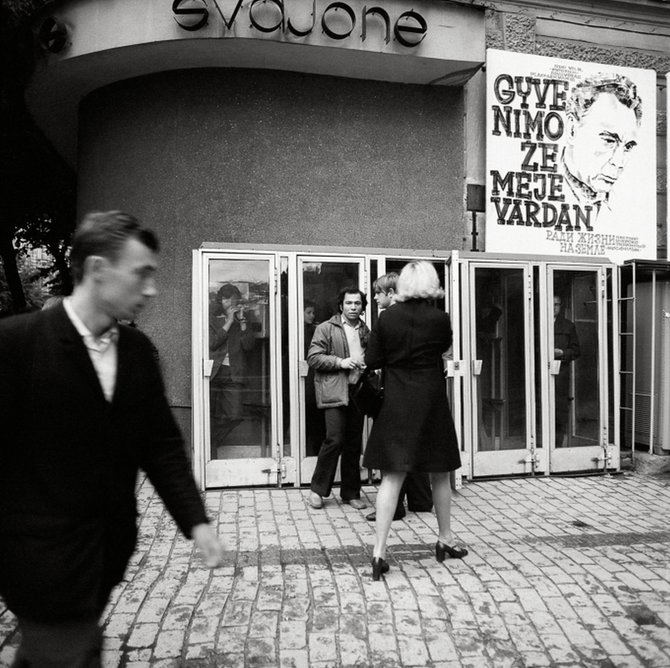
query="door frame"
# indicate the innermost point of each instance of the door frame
(283, 468)
(520, 461)
(305, 465)
(251, 471)
(289, 468)
(605, 454)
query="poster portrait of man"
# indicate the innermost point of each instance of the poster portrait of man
(570, 158)
(603, 119)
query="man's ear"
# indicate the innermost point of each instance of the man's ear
(94, 266)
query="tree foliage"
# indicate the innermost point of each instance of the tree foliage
(37, 187)
(33, 280)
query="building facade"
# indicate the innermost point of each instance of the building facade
(289, 147)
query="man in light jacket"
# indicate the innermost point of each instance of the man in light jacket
(336, 355)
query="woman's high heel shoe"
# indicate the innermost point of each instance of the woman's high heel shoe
(442, 550)
(379, 567)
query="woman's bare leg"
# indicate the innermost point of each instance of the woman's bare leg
(387, 500)
(441, 484)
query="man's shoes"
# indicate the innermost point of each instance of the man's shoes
(371, 517)
(315, 500)
(356, 503)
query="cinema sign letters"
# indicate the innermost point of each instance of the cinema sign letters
(570, 157)
(337, 20)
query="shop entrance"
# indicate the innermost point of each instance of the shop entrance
(529, 376)
(536, 363)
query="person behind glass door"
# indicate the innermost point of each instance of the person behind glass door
(489, 340)
(417, 485)
(230, 339)
(315, 429)
(414, 430)
(309, 322)
(566, 349)
(336, 355)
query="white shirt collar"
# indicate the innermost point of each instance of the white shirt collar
(346, 322)
(100, 342)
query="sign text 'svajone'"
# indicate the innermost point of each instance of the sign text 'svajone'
(338, 20)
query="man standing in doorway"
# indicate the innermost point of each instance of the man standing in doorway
(336, 355)
(85, 409)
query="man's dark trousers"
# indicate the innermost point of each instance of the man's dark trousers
(344, 433)
(76, 644)
(417, 489)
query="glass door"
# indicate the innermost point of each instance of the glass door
(237, 422)
(501, 369)
(578, 363)
(320, 279)
(529, 376)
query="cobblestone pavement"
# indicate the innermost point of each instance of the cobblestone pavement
(561, 572)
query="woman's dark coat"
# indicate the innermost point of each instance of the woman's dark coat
(414, 430)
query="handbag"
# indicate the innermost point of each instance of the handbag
(368, 393)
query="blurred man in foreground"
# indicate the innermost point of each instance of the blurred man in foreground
(84, 408)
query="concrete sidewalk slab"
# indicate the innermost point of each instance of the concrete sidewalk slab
(561, 572)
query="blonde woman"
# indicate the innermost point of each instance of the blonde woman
(414, 430)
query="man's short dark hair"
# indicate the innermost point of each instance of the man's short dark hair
(351, 290)
(228, 291)
(105, 233)
(586, 92)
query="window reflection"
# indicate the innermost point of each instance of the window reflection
(239, 349)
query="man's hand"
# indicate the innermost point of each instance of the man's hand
(558, 353)
(351, 363)
(209, 545)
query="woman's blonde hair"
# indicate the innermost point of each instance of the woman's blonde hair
(418, 280)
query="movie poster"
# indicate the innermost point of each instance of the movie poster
(570, 158)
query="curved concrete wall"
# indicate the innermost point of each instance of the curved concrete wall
(269, 157)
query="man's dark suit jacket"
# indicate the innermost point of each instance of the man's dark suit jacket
(69, 461)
